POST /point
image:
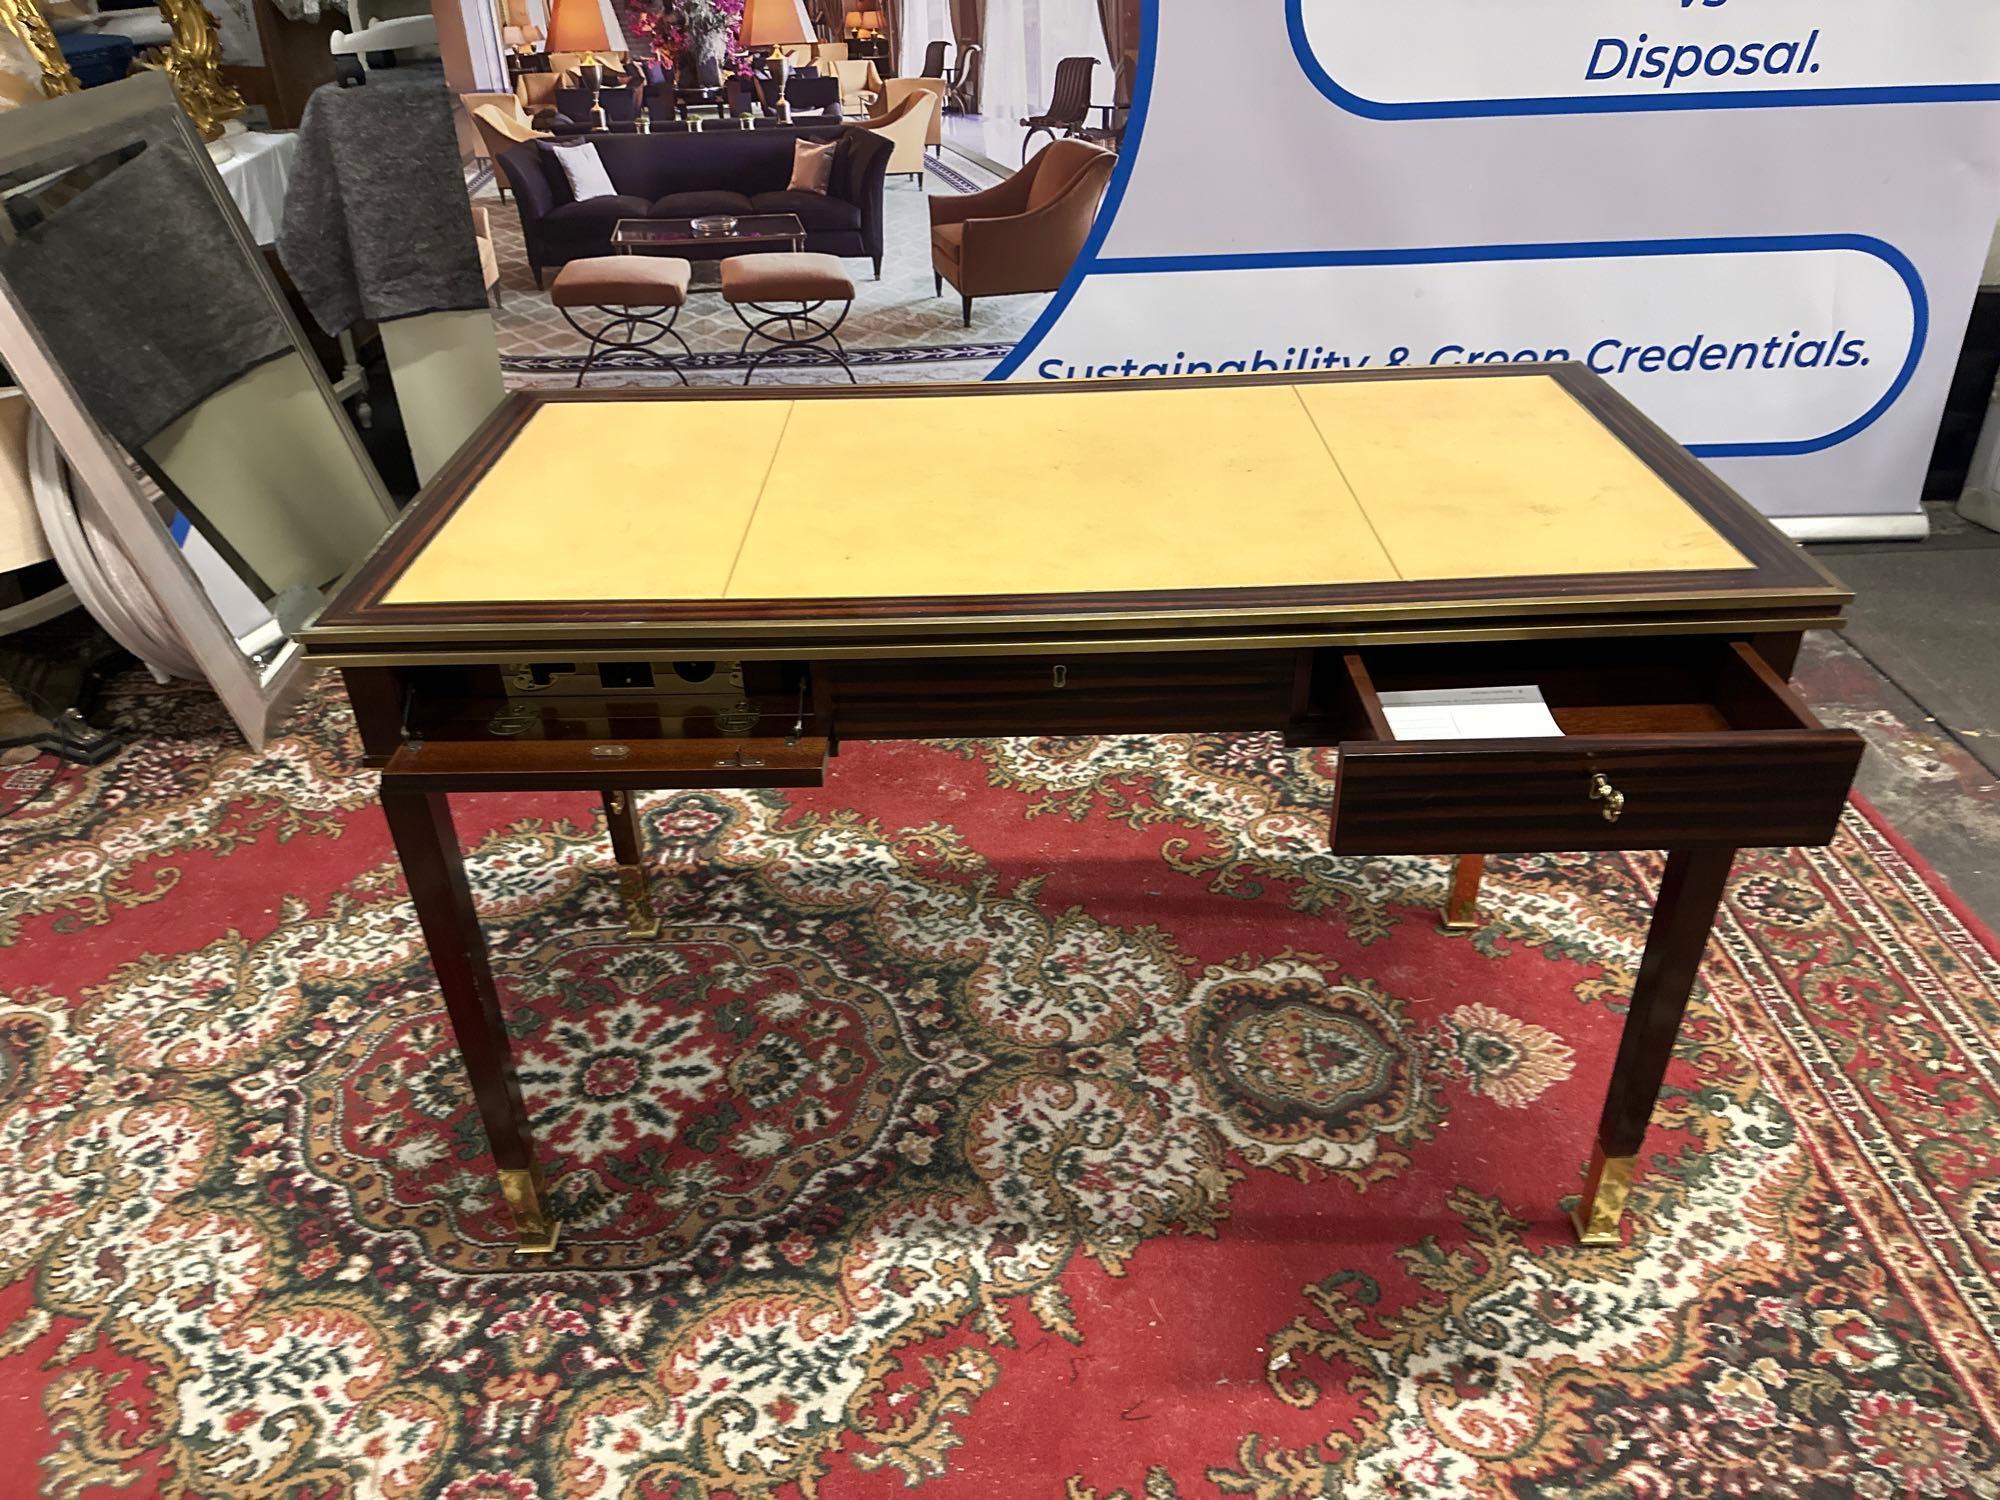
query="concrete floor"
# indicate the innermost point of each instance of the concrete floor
(1917, 673)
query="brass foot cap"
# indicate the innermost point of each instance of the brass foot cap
(540, 1244)
(1597, 1239)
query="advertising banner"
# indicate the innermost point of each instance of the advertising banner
(1762, 220)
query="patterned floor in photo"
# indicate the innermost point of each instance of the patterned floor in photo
(899, 329)
(1011, 1118)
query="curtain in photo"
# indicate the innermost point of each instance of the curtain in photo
(924, 22)
(1024, 39)
(1111, 20)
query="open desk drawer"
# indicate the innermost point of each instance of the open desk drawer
(1666, 744)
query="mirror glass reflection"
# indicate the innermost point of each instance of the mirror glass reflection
(138, 279)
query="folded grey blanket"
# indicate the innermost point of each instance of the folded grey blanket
(377, 221)
(143, 294)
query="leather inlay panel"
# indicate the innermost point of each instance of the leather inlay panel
(606, 501)
(1059, 492)
(1504, 479)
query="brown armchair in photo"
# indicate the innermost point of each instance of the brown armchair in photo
(1025, 234)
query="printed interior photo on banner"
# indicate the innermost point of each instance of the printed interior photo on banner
(975, 144)
(1772, 246)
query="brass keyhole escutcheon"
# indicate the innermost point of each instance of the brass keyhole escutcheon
(1613, 799)
(1061, 677)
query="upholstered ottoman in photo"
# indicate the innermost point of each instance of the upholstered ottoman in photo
(788, 289)
(639, 296)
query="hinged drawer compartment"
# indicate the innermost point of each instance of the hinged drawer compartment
(607, 765)
(1670, 744)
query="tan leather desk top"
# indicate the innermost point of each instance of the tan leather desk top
(1058, 491)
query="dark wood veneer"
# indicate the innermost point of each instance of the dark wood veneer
(1155, 693)
(1699, 732)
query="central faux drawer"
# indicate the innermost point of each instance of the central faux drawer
(1112, 693)
(1665, 744)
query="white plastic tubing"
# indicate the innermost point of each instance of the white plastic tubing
(106, 582)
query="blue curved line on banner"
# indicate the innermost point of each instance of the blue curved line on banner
(1443, 255)
(1594, 104)
(1114, 193)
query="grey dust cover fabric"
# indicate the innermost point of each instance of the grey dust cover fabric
(143, 294)
(377, 221)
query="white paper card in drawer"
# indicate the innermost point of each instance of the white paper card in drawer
(1470, 713)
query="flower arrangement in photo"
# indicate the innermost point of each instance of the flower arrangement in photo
(692, 30)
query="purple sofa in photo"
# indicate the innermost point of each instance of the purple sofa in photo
(680, 175)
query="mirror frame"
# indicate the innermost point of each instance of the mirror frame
(64, 133)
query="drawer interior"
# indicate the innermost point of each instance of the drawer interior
(590, 701)
(1669, 686)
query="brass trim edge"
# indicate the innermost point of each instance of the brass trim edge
(1084, 646)
(314, 636)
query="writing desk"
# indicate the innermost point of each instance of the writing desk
(1140, 556)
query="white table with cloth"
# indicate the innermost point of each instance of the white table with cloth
(256, 167)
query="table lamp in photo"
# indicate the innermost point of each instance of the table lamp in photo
(578, 26)
(776, 24)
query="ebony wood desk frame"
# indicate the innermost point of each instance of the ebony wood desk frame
(1720, 755)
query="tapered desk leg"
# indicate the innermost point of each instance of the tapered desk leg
(420, 823)
(1690, 892)
(1461, 904)
(621, 816)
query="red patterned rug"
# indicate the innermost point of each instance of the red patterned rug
(1025, 1118)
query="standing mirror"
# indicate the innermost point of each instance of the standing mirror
(140, 319)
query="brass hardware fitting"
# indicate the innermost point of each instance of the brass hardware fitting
(1613, 799)
(1602, 1206)
(642, 922)
(536, 1230)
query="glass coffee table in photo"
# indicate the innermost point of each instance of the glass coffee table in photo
(710, 235)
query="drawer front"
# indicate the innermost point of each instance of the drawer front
(1744, 789)
(1113, 693)
(605, 765)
